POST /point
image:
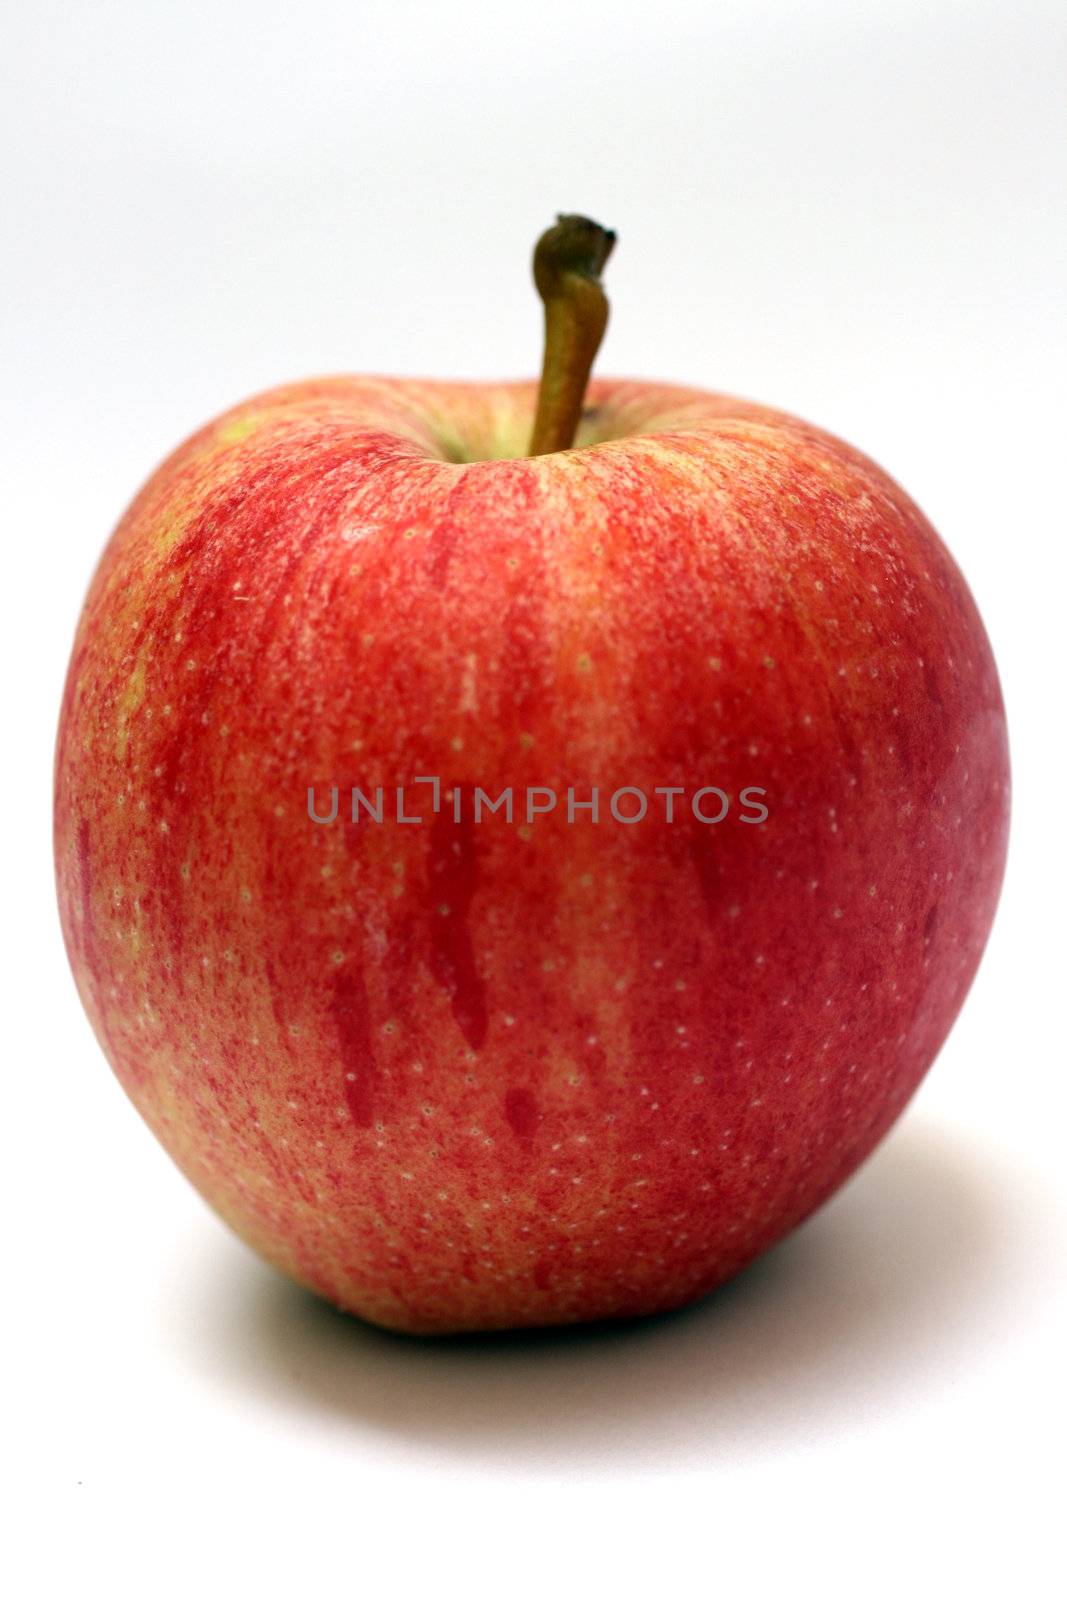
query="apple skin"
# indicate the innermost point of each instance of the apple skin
(483, 1076)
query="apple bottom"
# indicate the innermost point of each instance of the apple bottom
(572, 1072)
(550, 1108)
(616, 1267)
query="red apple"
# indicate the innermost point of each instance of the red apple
(487, 1073)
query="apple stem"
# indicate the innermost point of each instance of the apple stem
(567, 264)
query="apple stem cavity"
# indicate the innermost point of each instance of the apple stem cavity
(567, 263)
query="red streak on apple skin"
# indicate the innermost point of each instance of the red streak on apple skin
(85, 879)
(352, 1014)
(453, 878)
(622, 1061)
(520, 1108)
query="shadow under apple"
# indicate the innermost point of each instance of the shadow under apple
(889, 1289)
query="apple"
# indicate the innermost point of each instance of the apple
(455, 1062)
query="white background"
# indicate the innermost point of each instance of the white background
(851, 210)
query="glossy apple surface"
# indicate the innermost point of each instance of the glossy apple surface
(487, 1074)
